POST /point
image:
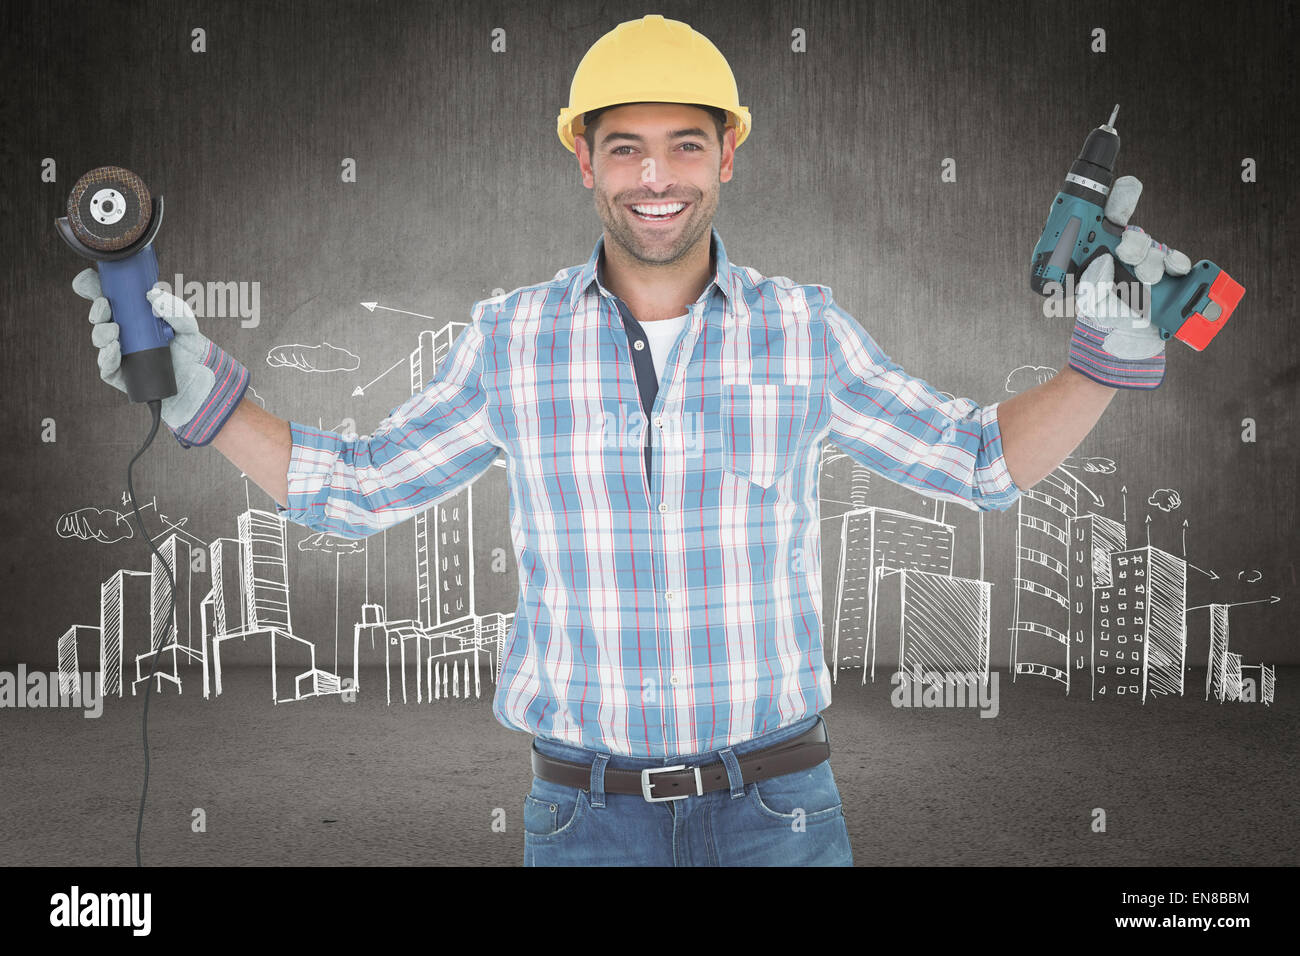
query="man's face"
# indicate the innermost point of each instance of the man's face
(664, 154)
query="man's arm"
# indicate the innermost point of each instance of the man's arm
(902, 427)
(1042, 426)
(435, 443)
(258, 444)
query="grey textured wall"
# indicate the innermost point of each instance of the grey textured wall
(463, 187)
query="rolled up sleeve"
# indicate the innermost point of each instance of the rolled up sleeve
(903, 428)
(431, 446)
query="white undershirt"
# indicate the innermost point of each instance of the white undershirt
(661, 335)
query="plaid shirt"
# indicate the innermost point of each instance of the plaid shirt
(683, 614)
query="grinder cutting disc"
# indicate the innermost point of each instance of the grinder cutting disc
(109, 208)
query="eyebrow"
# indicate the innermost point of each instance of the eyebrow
(675, 134)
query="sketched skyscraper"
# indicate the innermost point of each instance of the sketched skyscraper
(443, 534)
(1226, 678)
(873, 540)
(943, 624)
(1257, 681)
(453, 634)
(1141, 644)
(264, 597)
(122, 599)
(265, 569)
(1217, 665)
(1093, 539)
(1041, 617)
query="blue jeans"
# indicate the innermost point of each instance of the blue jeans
(796, 819)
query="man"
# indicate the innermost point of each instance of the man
(662, 413)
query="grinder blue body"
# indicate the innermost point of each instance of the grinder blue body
(125, 283)
(1192, 308)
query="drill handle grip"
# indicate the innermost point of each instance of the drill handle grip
(1192, 308)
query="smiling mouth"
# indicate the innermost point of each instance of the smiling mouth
(657, 211)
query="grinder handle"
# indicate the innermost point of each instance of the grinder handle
(146, 352)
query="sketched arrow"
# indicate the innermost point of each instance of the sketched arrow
(361, 389)
(168, 526)
(1209, 574)
(1268, 600)
(375, 305)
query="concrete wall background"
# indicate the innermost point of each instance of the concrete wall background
(463, 187)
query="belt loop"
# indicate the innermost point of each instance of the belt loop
(598, 780)
(733, 773)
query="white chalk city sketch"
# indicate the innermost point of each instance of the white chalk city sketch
(1091, 610)
(1094, 608)
(434, 655)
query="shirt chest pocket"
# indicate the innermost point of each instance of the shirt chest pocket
(762, 424)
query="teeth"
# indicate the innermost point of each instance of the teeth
(659, 209)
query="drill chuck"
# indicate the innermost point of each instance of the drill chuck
(1093, 172)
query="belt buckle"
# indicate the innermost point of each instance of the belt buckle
(646, 784)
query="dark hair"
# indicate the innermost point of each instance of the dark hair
(589, 121)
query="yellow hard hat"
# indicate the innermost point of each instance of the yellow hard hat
(651, 60)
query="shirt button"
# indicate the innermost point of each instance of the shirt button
(663, 507)
(638, 345)
(673, 679)
(659, 422)
(668, 595)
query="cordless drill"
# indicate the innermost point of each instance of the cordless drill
(112, 220)
(1191, 307)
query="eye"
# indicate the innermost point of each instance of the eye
(618, 150)
(697, 147)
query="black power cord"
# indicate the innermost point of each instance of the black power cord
(155, 407)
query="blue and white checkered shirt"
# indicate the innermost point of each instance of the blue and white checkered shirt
(678, 614)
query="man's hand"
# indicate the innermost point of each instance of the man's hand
(209, 382)
(1112, 344)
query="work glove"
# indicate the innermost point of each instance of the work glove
(209, 382)
(1111, 343)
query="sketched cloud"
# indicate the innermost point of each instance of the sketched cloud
(313, 358)
(1097, 465)
(330, 544)
(1166, 499)
(93, 524)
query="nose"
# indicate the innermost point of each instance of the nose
(656, 176)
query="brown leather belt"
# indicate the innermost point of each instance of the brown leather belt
(680, 781)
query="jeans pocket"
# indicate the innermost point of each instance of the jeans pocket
(552, 810)
(811, 793)
(762, 424)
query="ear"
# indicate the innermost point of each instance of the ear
(728, 165)
(584, 161)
